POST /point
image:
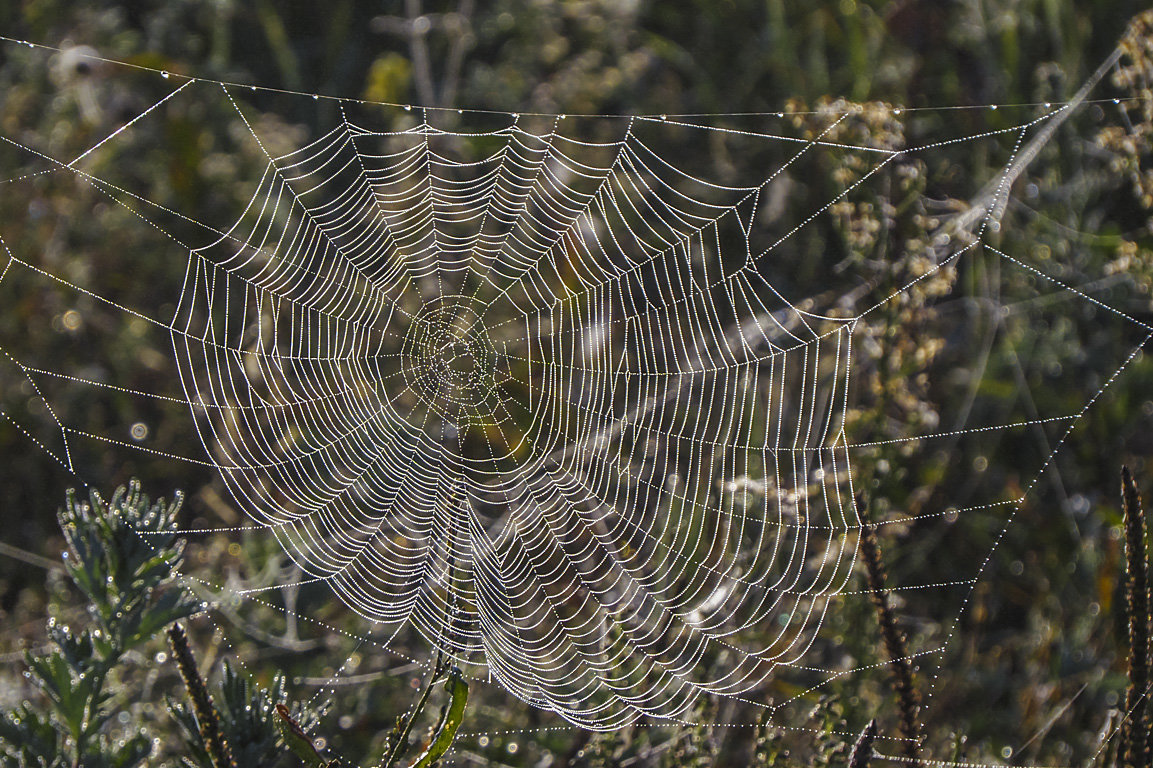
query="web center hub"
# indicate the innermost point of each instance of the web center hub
(448, 362)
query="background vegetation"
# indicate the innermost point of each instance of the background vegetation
(1035, 668)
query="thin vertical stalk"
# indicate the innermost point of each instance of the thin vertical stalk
(1135, 735)
(895, 643)
(441, 665)
(401, 744)
(206, 715)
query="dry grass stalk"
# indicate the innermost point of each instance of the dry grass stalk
(1135, 732)
(206, 715)
(895, 643)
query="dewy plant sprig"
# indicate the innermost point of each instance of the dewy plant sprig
(128, 584)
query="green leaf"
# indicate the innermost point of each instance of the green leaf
(172, 605)
(133, 752)
(29, 738)
(297, 740)
(125, 570)
(445, 733)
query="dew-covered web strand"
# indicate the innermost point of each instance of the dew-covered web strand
(474, 111)
(111, 190)
(635, 212)
(68, 464)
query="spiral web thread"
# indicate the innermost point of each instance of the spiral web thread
(585, 593)
(543, 402)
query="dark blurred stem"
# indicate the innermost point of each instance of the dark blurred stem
(461, 41)
(221, 36)
(418, 50)
(1134, 732)
(397, 750)
(894, 640)
(278, 40)
(206, 716)
(863, 748)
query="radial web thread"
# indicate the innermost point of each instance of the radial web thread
(540, 387)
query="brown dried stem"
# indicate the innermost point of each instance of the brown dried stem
(206, 716)
(895, 643)
(1134, 735)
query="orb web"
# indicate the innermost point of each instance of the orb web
(547, 389)
(492, 398)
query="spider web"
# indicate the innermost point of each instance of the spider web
(549, 390)
(486, 373)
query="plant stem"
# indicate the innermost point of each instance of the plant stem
(206, 716)
(894, 640)
(439, 667)
(398, 748)
(1134, 733)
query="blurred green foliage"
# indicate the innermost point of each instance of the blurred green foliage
(121, 556)
(1036, 660)
(248, 719)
